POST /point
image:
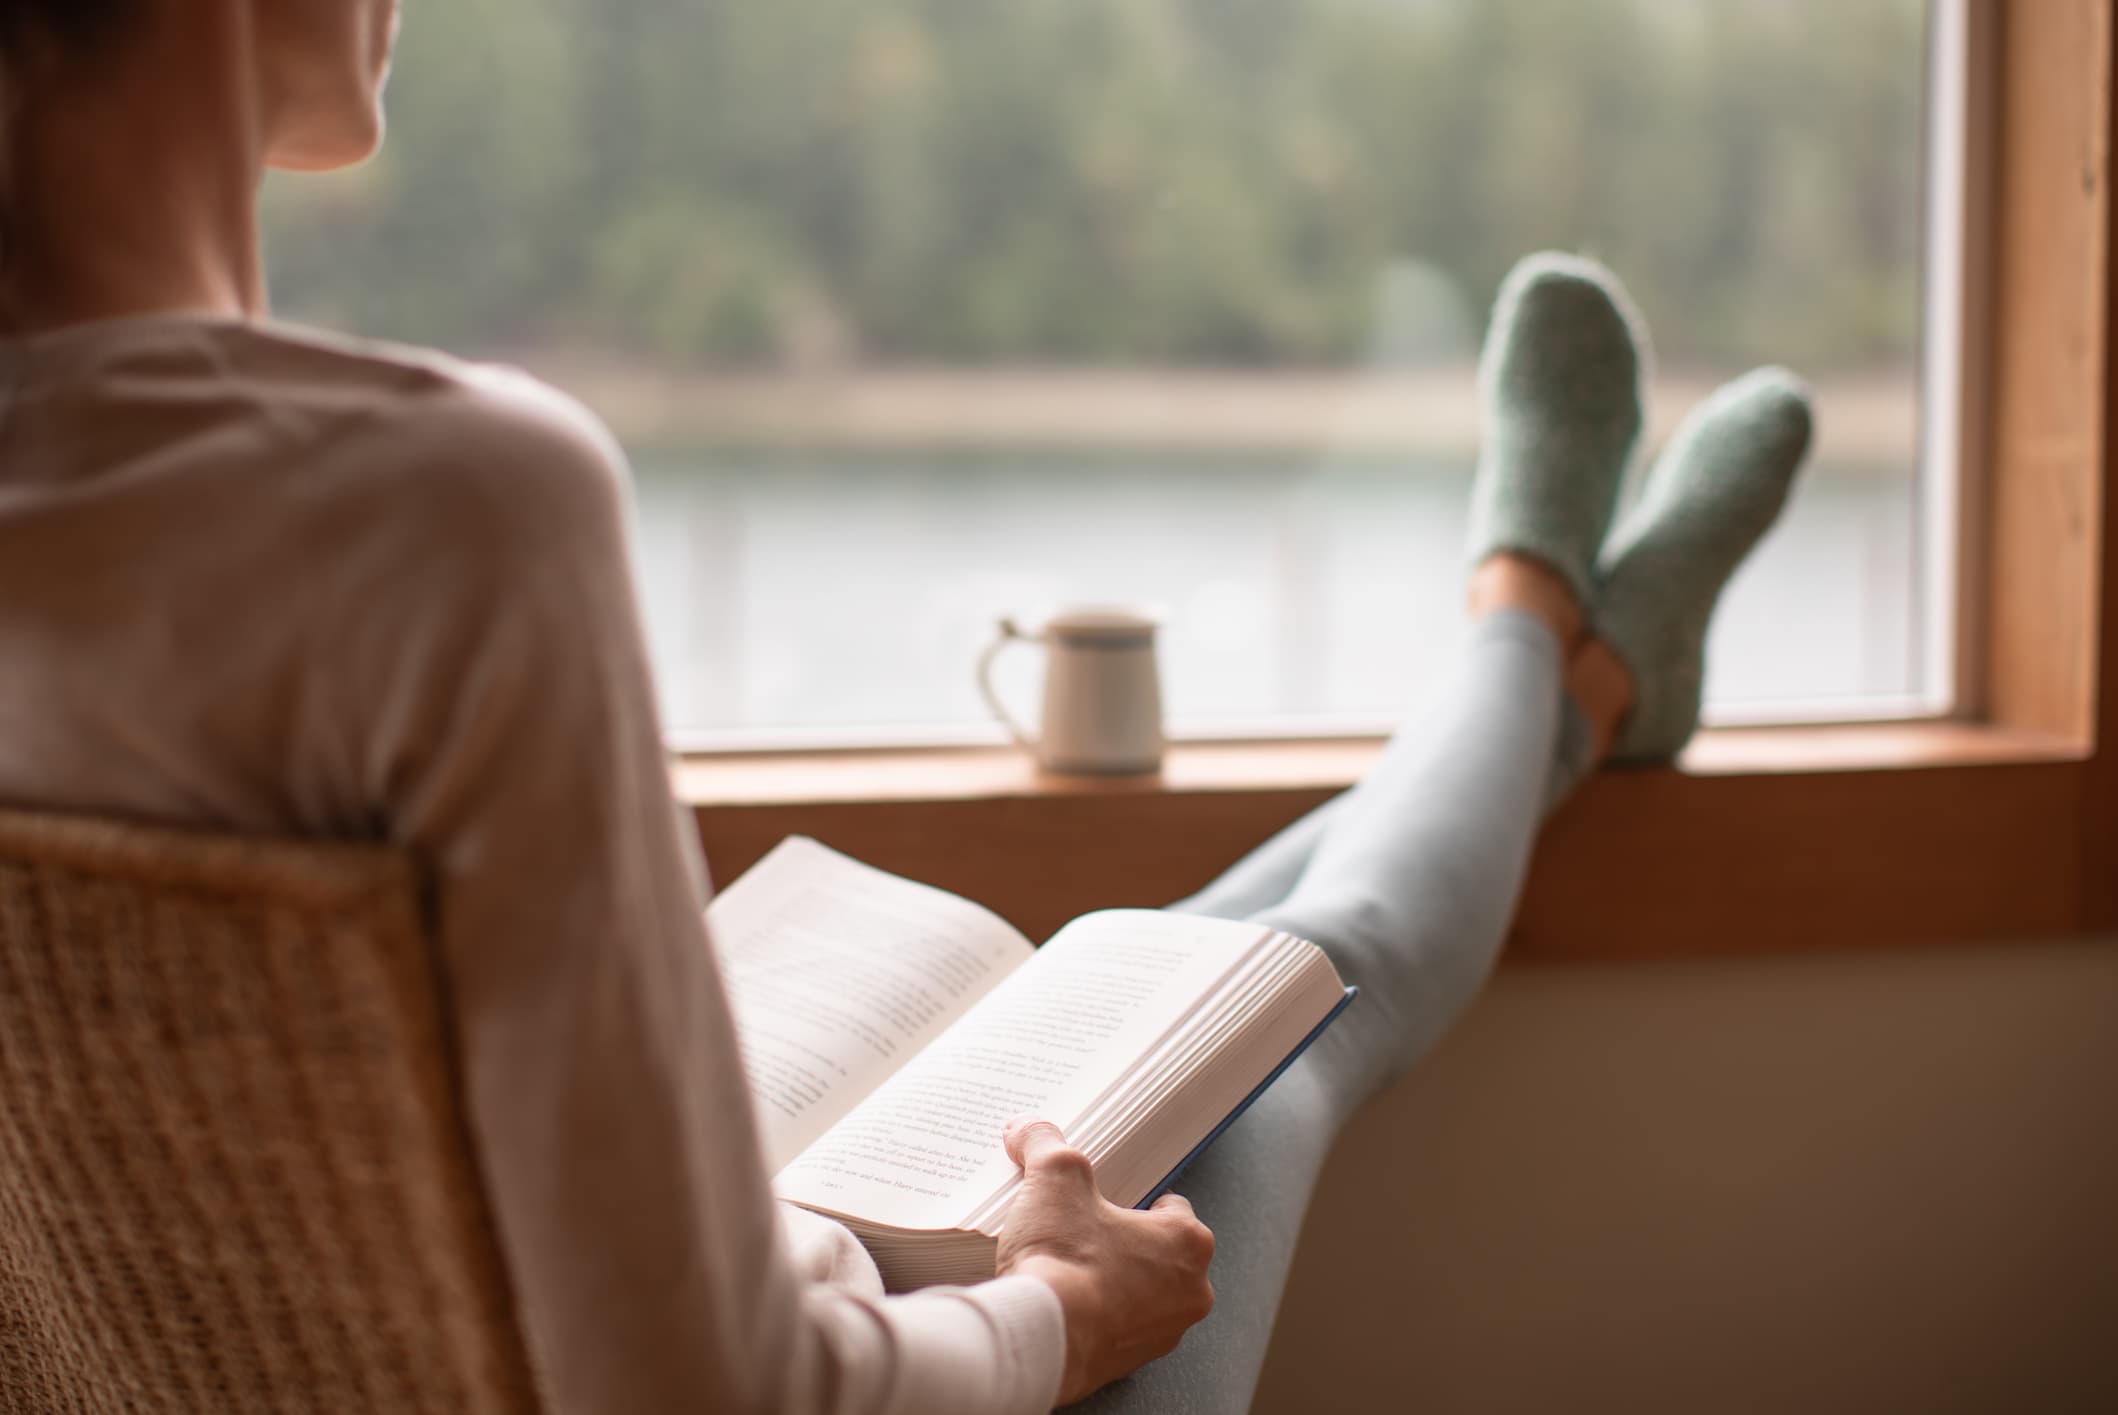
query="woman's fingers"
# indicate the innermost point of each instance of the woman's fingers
(1173, 1203)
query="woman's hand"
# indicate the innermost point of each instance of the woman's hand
(1131, 1281)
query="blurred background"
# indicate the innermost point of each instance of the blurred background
(916, 312)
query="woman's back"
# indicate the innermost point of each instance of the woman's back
(163, 479)
(260, 580)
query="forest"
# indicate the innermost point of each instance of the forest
(713, 184)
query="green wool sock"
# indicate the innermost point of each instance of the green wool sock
(1712, 495)
(1561, 379)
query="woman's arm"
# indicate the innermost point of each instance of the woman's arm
(510, 735)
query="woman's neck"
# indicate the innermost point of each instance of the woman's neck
(133, 188)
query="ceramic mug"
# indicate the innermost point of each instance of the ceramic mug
(1102, 691)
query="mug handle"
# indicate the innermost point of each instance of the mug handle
(1010, 633)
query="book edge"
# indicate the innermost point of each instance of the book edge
(1169, 1180)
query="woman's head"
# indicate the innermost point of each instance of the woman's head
(309, 72)
(134, 133)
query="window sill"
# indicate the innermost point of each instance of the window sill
(1760, 840)
(868, 776)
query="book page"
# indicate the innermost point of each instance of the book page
(1050, 1040)
(838, 974)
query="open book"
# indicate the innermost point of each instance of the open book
(890, 1030)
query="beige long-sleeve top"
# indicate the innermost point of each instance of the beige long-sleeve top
(266, 580)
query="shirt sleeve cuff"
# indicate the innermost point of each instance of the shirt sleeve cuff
(1032, 1326)
(1014, 1323)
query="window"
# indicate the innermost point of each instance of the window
(1999, 823)
(913, 313)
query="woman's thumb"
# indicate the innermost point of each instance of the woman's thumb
(1042, 1151)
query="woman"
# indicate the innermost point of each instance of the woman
(266, 580)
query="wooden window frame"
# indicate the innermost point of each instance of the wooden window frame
(2000, 825)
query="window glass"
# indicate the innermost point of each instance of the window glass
(916, 312)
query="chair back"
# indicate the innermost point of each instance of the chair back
(234, 1172)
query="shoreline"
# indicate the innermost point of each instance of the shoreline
(1864, 421)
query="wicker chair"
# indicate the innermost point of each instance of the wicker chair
(234, 1175)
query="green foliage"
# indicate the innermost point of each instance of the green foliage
(1210, 181)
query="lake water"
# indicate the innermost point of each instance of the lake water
(790, 591)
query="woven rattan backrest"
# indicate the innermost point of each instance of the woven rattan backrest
(233, 1170)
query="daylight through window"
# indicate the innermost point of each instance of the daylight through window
(914, 313)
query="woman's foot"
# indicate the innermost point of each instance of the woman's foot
(1560, 378)
(1711, 497)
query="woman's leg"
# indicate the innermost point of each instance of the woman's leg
(1559, 379)
(1409, 887)
(1409, 880)
(1267, 874)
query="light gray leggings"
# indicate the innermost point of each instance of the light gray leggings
(1408, 881)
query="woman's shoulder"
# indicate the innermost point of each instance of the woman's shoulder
(408, 448)
(435, 415)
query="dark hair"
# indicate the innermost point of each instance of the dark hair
(34, 36)
(63, 26)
